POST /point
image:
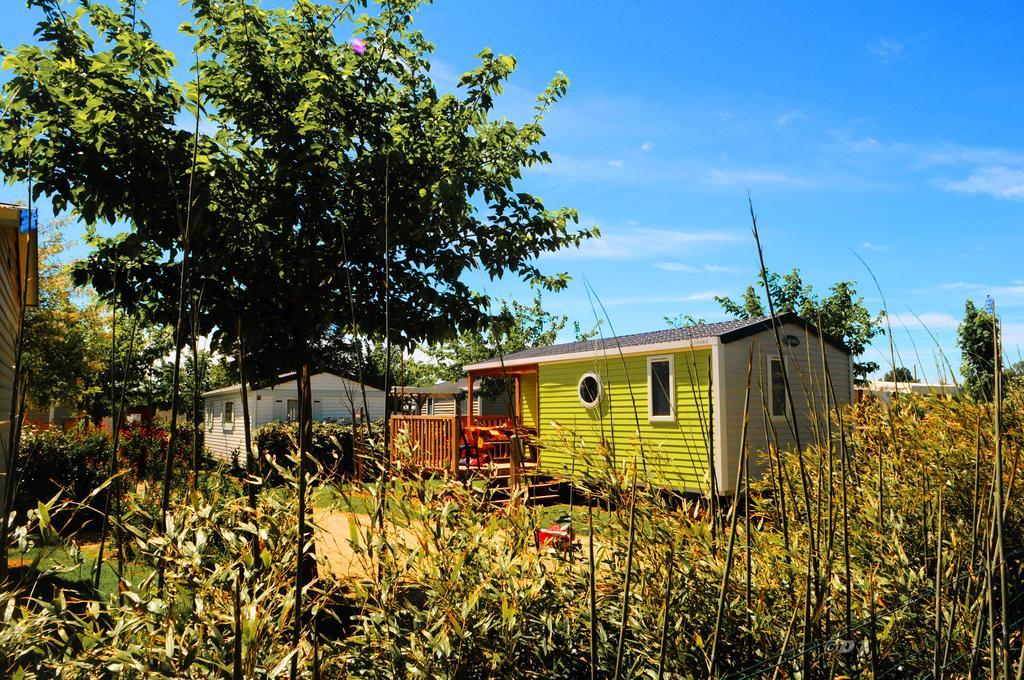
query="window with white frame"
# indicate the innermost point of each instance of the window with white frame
(777, 388)
(209, 416)
(292, 412)
(661, 389)
(229, 413)
(589, 390)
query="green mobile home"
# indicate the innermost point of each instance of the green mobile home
(676, 396)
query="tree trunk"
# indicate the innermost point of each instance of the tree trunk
(302, 564)
(251, 486)
(114, 490)
(172, 437)
(197, 380)
(250, 463)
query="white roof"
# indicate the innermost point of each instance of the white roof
(920, 386)
(281, 379)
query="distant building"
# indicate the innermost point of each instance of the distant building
(449, 399)
(885, 390)
(335, 398)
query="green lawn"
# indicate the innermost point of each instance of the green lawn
(64, 569)
(353, 498)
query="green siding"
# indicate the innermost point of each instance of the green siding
(528, 398)
(676, 452)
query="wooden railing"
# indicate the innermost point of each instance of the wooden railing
(430, 442)
(487, 421)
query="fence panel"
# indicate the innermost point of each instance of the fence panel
(430, 441)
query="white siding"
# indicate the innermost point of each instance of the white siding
(334, 398)
(807, 382)
(221, 438)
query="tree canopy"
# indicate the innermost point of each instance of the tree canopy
(899, 374)
(66, 336)
(331, 185)
(841, 313)
(68, 344)
(975, 337)
(318, 168)
(516, 328)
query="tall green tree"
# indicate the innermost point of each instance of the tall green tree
(899, 374)
(332, 186)
(68, 342)
(67, 335)
(515, 328)
(975, 338)
(842, 312)
(214, 372)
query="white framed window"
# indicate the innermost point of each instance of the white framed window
(293, 410)
(229, 413)
(209, 416)
(661, 389)
(589, 390)
(778, 404)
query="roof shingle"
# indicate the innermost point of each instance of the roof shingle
(726, 330)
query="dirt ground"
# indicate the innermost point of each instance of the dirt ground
(334, 542)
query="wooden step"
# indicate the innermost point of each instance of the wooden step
(499, 469)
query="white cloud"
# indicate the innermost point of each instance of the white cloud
(887, 49)
(788, 117)
(1013, 337)
(868, 245)
(996, 181)
(444, 75)
(956, 154)
(647, 146)
(1012, 294)
(661, 299)
(676, 267)
(960, 285)
(615, 163)
(932, 320)
(635, 242)
(691, 269)
(752, 176)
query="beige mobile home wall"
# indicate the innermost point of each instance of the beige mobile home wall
(10, 305)
(808, 384)
(442, 406)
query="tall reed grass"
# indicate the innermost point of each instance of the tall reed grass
(460, 589)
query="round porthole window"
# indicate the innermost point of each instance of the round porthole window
(589, 389)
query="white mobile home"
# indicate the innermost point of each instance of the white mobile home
(334, 399)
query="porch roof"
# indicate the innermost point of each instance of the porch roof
(441, 389)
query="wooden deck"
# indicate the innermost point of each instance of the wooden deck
(455, 446)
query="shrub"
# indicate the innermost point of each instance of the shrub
(331, 448)
(73, 463)
(67, 464)
(453, 587)
(142, 447)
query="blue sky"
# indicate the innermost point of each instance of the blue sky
(889, 132)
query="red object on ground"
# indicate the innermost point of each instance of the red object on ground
(556, 535)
